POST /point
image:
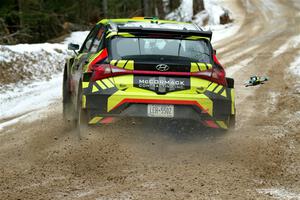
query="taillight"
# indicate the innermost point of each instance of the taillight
(218, 76)
(100, 72)
(106, 70)
(215, 75)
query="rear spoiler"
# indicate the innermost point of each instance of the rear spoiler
(176, 33)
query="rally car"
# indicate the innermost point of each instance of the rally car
(146, 67)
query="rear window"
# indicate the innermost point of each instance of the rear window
(196, 50)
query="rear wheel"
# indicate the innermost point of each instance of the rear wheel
(81, 115)
(68, 107)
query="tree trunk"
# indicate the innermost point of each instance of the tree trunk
(159, 9)
(198, 6)
(105, 8)
(20, 10)
(146, 8)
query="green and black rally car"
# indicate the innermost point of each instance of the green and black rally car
(145, 67)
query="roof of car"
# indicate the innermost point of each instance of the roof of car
(145, 26)
(144, 22)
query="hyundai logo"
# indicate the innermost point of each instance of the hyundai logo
(162, 67)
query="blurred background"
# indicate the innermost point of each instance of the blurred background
(33, 21)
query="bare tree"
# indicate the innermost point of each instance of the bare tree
(105, 8)
(146, 7)
(198, 5)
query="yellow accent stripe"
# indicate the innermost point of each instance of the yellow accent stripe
(218, 89)
(196, 38)
(101, 85)
(108, 83)
(212, 87)
(121, 63)
(232, 101)
(224, 94)
(120, 34)
(126, 34)
(194, 67)
(202, 66)
(83, 101)
(95, 120)
(111, 34)
(222, 124)
(85, 84)
(95, 89)
(113, 62)
(129, 65)
(202, 99)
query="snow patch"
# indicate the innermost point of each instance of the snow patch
(214, 11)
(291, 43)
(183, 13)
(221, 32)
(34, 96)
(280, 193)
(230, 71)
(295, 66)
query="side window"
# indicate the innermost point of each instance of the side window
(97, 43)
(89, 40)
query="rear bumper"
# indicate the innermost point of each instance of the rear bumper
(210, 108)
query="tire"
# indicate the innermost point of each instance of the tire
(68, 107)
(81, 116)
(230, 82)
(231, 124)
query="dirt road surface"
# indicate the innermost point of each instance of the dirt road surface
(159, 159)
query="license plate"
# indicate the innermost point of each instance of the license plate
(160, 110)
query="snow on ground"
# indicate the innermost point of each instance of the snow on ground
(280, 193)
(295, 70)
(183, 13)
(213, 10)
(230, 71)
(295, 66)
(34, 61)
(21, 98)
(292, 43)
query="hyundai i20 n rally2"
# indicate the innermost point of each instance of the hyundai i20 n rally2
(145, 67)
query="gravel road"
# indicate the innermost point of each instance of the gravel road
(161, 159)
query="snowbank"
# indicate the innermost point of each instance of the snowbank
(44, 62)
(211, 14)
(208, 19)
(27, 62)
(183, 13)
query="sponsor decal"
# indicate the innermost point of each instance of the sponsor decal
(162, 84)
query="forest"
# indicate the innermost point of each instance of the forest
(42, 20)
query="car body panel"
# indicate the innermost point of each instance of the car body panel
(128, 95)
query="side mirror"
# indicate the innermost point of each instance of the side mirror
(215, 52)
(73, 47)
